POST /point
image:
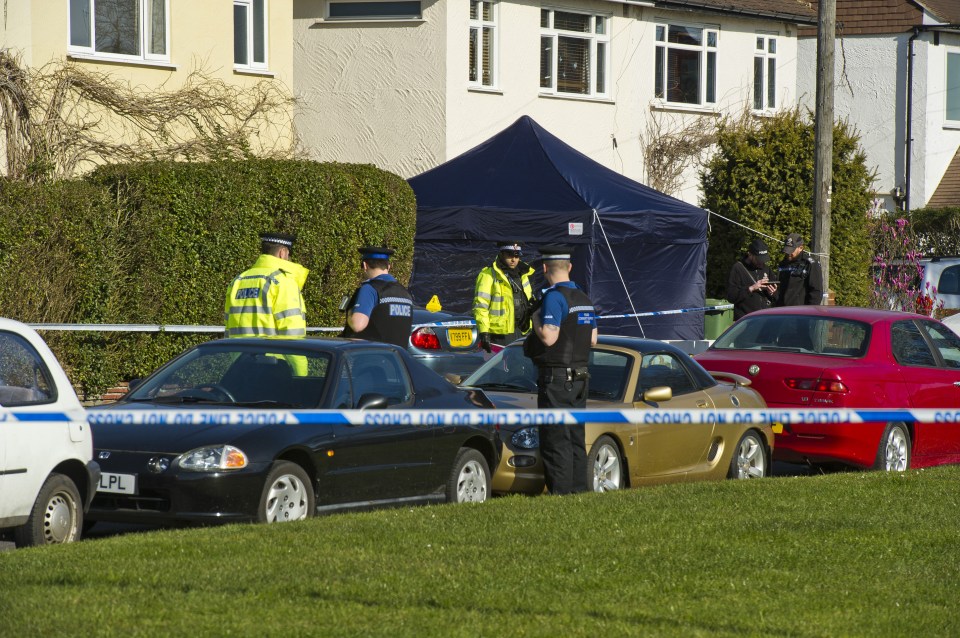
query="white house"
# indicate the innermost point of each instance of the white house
(410, 84)
(898, 82)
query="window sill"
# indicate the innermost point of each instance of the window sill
(577, 98)
(660, 105)
(326, 22)
(258, 72)
(764, 113)
(951, 125)
(485, 89)
(86, 57)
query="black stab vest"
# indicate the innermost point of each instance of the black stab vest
(392, 316)
(572, 348)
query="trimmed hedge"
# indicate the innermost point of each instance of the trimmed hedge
(937, 230)
(158, 243)
(762, 177)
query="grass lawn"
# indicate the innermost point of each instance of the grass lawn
(849, 554)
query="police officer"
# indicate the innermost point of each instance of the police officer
(380, 309)
(564, 328)
(801, 280)
(751, 285)
(266, 300)
(502, 297)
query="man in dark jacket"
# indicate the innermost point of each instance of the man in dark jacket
(801, 280)
(381, 308)
(751, 285)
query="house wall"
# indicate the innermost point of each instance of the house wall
(870, 92)
(397, 95)
(201, 38)
(372, 93)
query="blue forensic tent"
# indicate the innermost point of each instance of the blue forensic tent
(637, 250)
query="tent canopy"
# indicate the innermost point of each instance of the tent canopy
(524, 184)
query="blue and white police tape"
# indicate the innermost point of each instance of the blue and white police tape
(659, 313)
(484, 417)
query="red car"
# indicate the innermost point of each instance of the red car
(826, 357)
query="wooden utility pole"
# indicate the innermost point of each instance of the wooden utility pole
(823, 136)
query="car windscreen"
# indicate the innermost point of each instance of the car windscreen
(509, 370)
(829, 336)
(239, 376)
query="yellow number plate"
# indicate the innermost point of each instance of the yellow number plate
(459, 337)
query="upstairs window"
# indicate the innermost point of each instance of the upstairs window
(390, 10)
(483, 43)
(685, 64)
(574, 53)
(953, 88)
(250, 34)
(765, 73)
(120, 29)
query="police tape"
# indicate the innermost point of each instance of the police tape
(233, 416)
(658, 313)
(153, 327)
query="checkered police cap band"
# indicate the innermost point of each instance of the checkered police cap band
(509, 247)
(276, 238)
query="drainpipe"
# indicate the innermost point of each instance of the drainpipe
(908, 133)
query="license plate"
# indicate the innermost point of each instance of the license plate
(459, 337)
(118, 483)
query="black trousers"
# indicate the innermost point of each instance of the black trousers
(504, 339)
(562, 447)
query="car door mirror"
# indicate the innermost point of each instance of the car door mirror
(372, 401)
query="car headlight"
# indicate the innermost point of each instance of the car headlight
(213, 458)
(527, 438)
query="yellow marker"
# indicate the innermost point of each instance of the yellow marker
(777, 427)
(434, 304)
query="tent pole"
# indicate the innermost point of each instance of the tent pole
(596, 216)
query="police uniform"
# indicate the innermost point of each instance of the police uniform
(562, 379)
(801, 279)
(385, 301)
(744, 275)
(266, 299)
(502, 299)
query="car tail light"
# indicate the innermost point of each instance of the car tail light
(425, 339)
(816, 385)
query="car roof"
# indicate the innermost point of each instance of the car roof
(866, 315)
(317, 344)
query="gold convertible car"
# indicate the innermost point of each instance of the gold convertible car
(627, 372)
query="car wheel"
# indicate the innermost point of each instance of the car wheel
(56, 517)
(469, 479)
(287, 495)
(604, 466)
(749, 458)
(893, 455)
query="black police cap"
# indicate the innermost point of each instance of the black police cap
(278, 238)
(375, 252)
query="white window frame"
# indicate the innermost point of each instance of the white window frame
(144, 37)
(951, 94)
(707, 80)
(596, 41)
(477, 28)
(764, 55)
(251, 64)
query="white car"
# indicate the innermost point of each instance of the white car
(47, 473)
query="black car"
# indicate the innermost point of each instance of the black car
(217, 472)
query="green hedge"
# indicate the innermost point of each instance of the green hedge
(937, 230)
(158, 243)
(762, 177)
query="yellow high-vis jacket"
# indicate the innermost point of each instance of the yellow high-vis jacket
(493, 300)
(266, 300)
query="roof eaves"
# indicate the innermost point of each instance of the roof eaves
(693, 5)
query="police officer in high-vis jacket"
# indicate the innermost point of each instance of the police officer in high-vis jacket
(380, 309)
(564, 329)
(503, 297)
(266, 299)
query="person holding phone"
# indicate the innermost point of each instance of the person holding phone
(751, 285)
